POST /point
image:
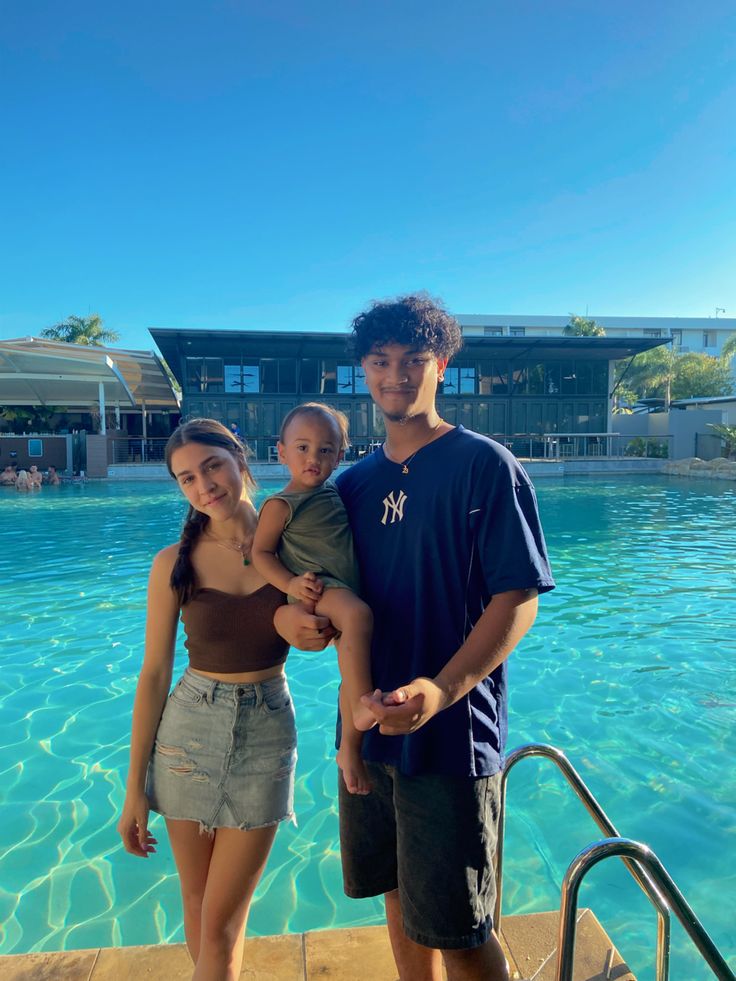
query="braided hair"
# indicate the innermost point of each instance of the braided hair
(208, 432)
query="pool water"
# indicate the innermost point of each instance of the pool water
(629, 669)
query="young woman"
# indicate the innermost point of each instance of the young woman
(216, 756)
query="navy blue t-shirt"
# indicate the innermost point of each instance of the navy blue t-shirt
(433, 546)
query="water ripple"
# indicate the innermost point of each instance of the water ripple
(630, 669)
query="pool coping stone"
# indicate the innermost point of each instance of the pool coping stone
(529, 941)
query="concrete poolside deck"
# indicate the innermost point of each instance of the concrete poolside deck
(361, 954)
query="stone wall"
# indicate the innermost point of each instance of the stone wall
(718, 469)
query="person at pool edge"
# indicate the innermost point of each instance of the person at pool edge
(216, 755)
(452, 558)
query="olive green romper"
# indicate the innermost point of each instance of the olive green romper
(317, 537)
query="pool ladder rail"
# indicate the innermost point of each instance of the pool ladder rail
(641, 862)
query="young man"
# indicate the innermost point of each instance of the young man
(452, 557)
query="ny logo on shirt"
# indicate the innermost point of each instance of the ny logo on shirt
(395, 506)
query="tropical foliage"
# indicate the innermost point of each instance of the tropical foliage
(727, 434)
(31, 418)
(581, 327)
(666, 374)
(728, 352)
(89, 331)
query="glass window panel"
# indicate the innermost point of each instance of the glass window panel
(598, 417)
(271, 420)
(568, 382)
(35, 447)
(551, 411)
(287, 374)
(310, 375)
(360, 418)
(519, 379)
(599, 378)
(344, 379)
(251, 418)
(582, 417)
(585, 377)
(518, 417)
(483, 418)
(360, 386)
(467, 380)
(498, 419)
(377, 424)
(500, 378)
(465, 416)
(534, 417)
(251, 378)
(449, 413)
(233, 413)
(196, 378)
(233, 378)
(567, 418)
(328, 378)
(451, 384)
(269, 375)
(215, 374)
(485, 377)
(552, 378)
(535, 381)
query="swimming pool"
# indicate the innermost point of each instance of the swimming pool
(630, 670)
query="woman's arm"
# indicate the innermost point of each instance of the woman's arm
(150, 696)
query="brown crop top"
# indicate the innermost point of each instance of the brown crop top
(230, 634)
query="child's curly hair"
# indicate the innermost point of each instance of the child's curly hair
(416, 319)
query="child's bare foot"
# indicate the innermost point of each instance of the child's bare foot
(353, 769)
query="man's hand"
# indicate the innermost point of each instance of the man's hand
(307, 587)
(303, 630)
(407, 708)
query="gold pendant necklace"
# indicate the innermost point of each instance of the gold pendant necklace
(234, 545)
(405, 464)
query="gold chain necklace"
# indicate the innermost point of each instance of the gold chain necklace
(405, 464)
(233, 545)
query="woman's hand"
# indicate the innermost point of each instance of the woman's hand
(307, 588)
(133, 827)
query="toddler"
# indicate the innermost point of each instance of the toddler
(304, 547)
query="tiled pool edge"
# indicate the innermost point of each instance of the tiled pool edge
(530, 943)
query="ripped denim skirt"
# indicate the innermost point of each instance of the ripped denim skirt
(225, 754)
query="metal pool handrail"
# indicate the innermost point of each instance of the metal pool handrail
(643, 857)
(642, 877)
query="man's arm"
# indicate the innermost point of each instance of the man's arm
(305, 631)
(503, 624)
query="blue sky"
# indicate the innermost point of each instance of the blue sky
(232, 164)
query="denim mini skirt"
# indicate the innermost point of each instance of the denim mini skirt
(225, 754)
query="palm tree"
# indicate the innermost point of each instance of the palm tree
(728, 353)
(582, 327)
(82, 330)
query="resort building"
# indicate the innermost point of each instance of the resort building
(532, 393)
(704, 335)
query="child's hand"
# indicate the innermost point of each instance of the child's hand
(307, 588)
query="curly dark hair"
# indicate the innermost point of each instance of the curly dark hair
(417, 319)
